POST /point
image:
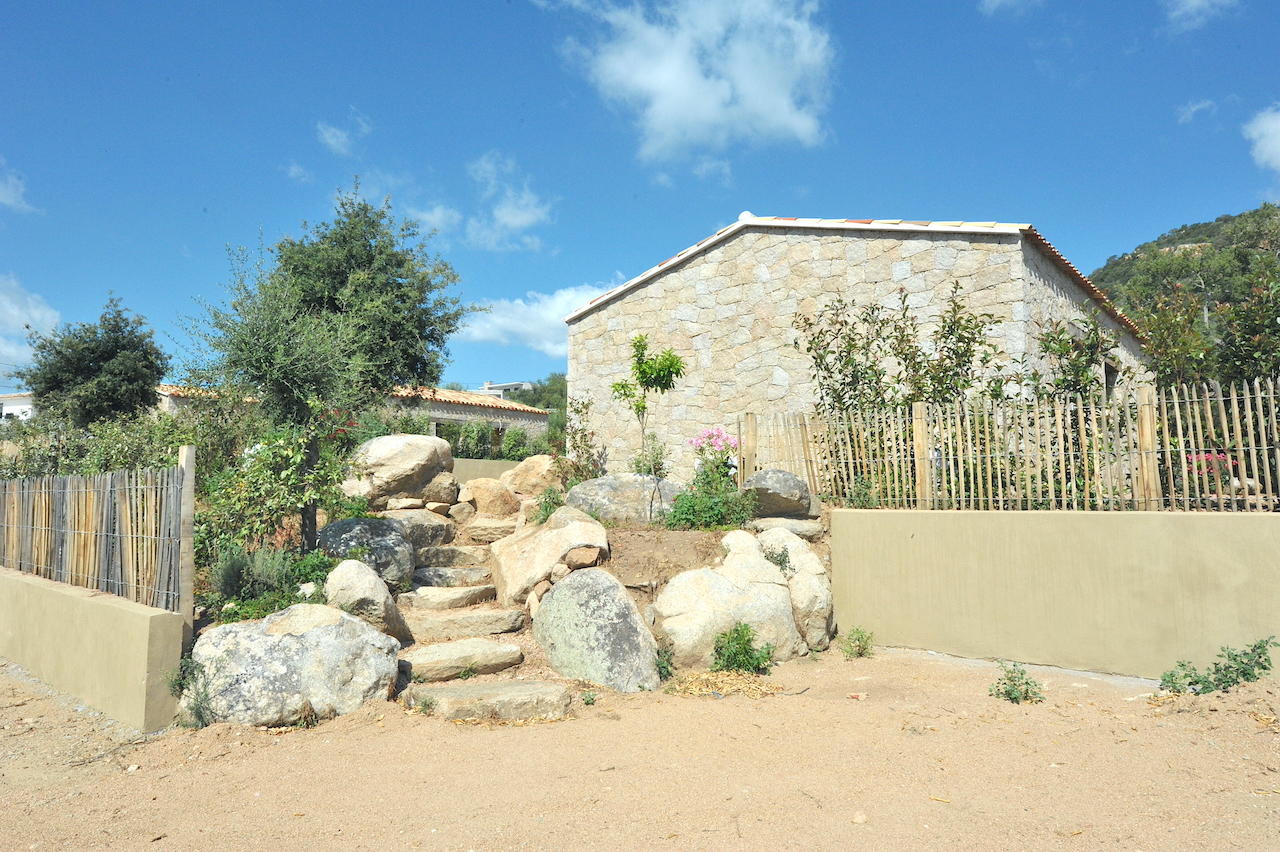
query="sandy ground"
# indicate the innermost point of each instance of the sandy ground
(923, 759)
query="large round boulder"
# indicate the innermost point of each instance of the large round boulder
(422, 528)
(357, 589)
(624, 498)
(811, 601)
(779, 494)
(307, 662)
(398, 466)
(378, 542)
(696, 606)
(523, 560)
(592, 631)
(533, 476)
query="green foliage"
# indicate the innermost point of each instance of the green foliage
(852, 349)
(1206, 297)
(735, 651)
(193, 682)
(51, 445)
(665, 663)
(652, 458)
(582, 459)
(781, 557)
(712, 500)
(649, 374)
(245, 585)
(475, 440)
(1074, 352)
(95, 371)
(1235, 667)
(468, 673)
(588, 698)
(856, 643)
(549, 394)
(1016, 685)
(548, 501)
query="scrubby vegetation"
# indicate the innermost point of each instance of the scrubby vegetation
(735, 651)
(1234, 668)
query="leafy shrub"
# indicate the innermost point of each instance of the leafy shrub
(581, 459)
(652, 458)
(1236, 667)
(548, 501)
(857, 643)
(782, 558)
(1016, 685)
(194, 683)
(248, 585)
(735, 651)
(713, 500)
(475, 440)
(665, 663)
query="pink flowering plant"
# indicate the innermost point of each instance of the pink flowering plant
(713, 501)
(1212, 464)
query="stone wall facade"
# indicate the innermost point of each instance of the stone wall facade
(729, 311)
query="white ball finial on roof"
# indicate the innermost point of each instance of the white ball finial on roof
(745, 215)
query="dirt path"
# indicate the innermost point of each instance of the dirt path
(925, 760)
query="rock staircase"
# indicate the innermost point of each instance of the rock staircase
(457, 628)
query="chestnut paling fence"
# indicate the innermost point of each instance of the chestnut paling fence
(120, 532)
(1206, 448)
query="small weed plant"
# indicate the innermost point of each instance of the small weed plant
(194, 684)
(735, 651)
(782, 558)
(665, 663)
(588, 698)
(1233, 668)
(856, 643)
(548, 502)
(1016, 685)
(468, 673)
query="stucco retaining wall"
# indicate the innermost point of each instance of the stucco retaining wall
(113, 654)
(465, 470)
(1124, 592)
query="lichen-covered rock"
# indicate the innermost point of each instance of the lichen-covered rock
(533, 476)
(624, 498)
(523, 560)
(811, 601)
(377, 542)
(397, 466)
(779, 494)
(697, 605)
(356, 588)
(592, 631)
(307, 661)
(490, 497)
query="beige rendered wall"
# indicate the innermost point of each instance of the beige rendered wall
(1123, 592)
(465, 470)
(113, 654)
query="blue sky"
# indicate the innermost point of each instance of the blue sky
(560, 148)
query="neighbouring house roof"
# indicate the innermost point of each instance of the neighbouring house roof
(479, 400)
(747, 220)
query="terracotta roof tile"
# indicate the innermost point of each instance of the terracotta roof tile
(454, 397)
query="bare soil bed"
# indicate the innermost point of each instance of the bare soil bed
(904, 750)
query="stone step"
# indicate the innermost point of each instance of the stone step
(454, 556)
(445, 597)
(430, 626)
(447, 660)
(512, 699)
(467, 575)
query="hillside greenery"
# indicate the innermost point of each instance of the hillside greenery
(1207, 297)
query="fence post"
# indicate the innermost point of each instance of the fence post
(750, 445)
(1151, 496)
(187, 528)
(923, 461)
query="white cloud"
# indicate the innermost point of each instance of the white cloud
(514, 207)
(1188, 112)
(341, 141)
(536, 321)
(437, 218)
(704, 74)
(712, 168)
(19, 309)
(1263, 130)
(1187, 15)
(990, 7)
(298, 173)
(13, 190)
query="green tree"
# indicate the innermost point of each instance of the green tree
(550, 394)
(342, 314)
(649, 374)
(95, 371)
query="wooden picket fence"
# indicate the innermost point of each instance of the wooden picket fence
(1187, 448)
(127, 532)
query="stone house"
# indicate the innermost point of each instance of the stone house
(728, 304)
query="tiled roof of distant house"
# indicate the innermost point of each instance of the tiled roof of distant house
(453, 397)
